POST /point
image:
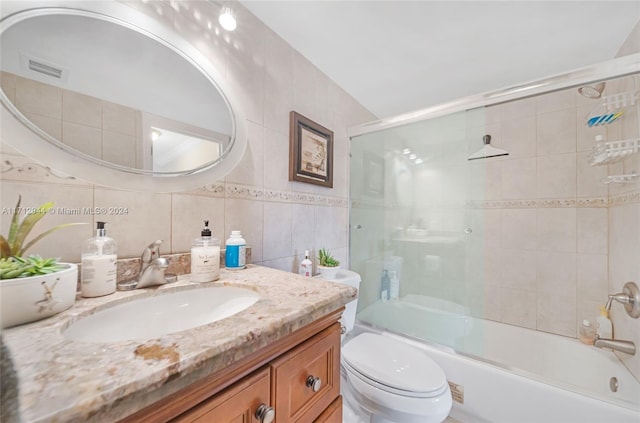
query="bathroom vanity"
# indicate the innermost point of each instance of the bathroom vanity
(281, 353)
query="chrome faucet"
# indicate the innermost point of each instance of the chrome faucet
(627, 347)
(152, 268)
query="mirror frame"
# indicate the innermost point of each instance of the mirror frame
(25, 137)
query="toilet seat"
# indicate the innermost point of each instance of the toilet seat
(393, 366)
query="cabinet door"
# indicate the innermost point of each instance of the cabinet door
(333, 413)
(236, 404)
(306, 380)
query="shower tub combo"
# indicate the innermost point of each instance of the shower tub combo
(500, 373)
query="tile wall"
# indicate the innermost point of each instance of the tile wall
(278, 218)
(545, 215)
(624, 213)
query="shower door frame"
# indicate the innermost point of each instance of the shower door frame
(613, 68)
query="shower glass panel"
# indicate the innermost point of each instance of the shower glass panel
(411, 222)
(498, 257)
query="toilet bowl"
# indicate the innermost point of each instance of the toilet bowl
(389, 380)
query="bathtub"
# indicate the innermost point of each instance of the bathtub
(502, 373)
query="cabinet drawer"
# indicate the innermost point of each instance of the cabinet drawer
(292, 377)
(236, 404)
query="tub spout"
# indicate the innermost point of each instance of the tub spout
(627, 347)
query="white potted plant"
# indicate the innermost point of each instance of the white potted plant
(32, 287)
(327, 265)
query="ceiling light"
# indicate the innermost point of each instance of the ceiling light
(227, 18)
(418, 161)
(406, 151)
(412, 156)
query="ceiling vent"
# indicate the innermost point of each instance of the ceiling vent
(44, 67)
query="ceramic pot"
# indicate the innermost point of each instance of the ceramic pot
(24, 300)
(328, 272)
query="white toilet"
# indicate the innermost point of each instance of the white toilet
(390, 380)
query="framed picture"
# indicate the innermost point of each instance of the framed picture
(310, 152)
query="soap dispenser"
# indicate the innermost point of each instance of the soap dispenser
(205, 257)
(99, 264)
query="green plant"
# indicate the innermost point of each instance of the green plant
(20, 267)
(326, 259)
(13, 247)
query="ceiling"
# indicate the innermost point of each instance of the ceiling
(399, 56)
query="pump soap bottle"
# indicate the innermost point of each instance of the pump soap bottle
(99, 264)
(205, 257)
(306, 265)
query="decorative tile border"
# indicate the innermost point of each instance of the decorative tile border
(248, 192)
(593, 202)
(632, 197)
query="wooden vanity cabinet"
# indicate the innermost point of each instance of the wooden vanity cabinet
(298, 376)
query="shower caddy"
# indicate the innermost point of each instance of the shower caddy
(608, 111)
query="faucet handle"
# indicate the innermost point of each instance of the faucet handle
(152, 251)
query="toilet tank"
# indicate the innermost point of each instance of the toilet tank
(353, 279)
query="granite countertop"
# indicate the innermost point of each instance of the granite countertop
(68, 381)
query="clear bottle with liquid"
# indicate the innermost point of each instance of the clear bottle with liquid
(205, 257)
(99, 264)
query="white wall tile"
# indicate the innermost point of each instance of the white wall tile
(81, 109)
(593, 230)
(36, 97)
(519, 178)
(248, 217)
(557, 229)
(592, 278)
(557, 273)
(148, 218)
(519, 137)
(519, 269)
(277, 239)
(276, 160)
(278, 85)
(557, 176)
(251, 169)
(69, 203)
(556, 132)
(191, 211)
(519, 229)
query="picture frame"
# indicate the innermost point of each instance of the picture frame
(310, 151)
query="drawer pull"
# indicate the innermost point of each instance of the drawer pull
(265, 413)
(315, 383)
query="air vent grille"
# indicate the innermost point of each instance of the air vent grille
(45, 69)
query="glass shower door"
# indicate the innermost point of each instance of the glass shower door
(412, 220)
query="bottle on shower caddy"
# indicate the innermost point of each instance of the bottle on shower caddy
(394, 286)
(385, 286)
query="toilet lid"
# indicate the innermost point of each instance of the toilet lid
(393, 363)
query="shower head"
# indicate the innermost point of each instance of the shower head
(592, 91)
(487, 150)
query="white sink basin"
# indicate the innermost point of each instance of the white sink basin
(160, 315)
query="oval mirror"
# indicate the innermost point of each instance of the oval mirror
(109, 95)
